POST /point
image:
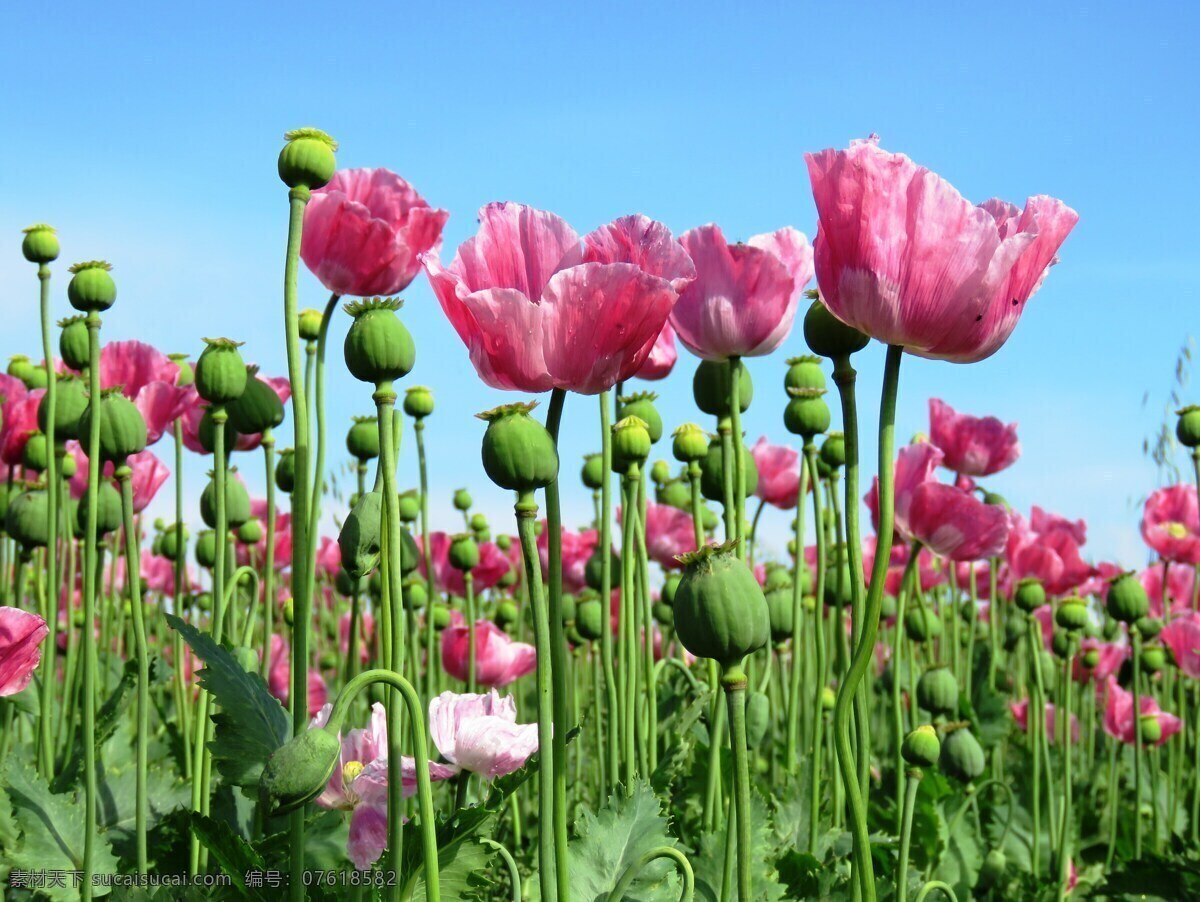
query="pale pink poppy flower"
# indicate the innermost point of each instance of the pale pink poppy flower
(1020, 712)
(973, 446)
(329, 556)
(915, 464)
(158, 573)
(1182, 636)
(577, 549)
(498, 659)
(1180, 580)
(778, 473)
(745, 296)
(662, 356)
(539, 309)
(480, 733)
(1044, 522)
(955, 524)
(1120, 721)
(279, 679)
(193, 414)
(1102, 574)
(149, 475)
(148, 378)
(21, 635)
(1171, 524)
(905, 258)
(493, 565)
(364, 233)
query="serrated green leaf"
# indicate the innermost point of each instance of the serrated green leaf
(117, 795)
(963, 857)
(709, 865)
(251, 724)
(233, 854)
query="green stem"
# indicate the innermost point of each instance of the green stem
(514, 874)
(268, 446)
(810, 458)
(1110, 802)
(910, 800)
(427, 553)
(318, 476)
(739, 450)
(606, 636)
(792, 751)
(910, 570)
(1064, 717)
(734, 682)
(630, 873)
(693, 470)
(469, 584)
(1136, 635)
(650, 745)
(728, 505)
(933, 885)
(754, 528)
(50, 653)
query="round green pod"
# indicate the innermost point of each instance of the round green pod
(378, 347)
(720, 610)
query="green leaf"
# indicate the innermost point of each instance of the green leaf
(233, 854)
(108, 718)
(709, 865)
(52, 831)
(963, 858)
(117, 802)
(251, 724)
(462, 866)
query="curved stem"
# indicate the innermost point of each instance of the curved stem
(514, 875)
(666, 662)
(631, 872)
(931, 886)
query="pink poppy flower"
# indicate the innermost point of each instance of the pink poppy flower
(493, 565)
(915, 464)
(21, 635)
(365, 231)
(1043, 523)
(280, 677)
(149, 475)
(539, 309)
(158, 573)
(955, 524)
(1171, 524)
(480, 733)
(905, 258)
(498, 659)
(329, 556)
(778, 473)
(1119, 720)
(1020, 712)
(1182, 636)
(744, 299)
(662, 356)
(983, 581)
(577, 549)
(1180, 581)
(1111, 656)
(1052, 557)
(18, 417)
(1102, 574)
(148, 378)
(669, 531)
(973, 446)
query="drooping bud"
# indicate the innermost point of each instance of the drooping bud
(298, 770)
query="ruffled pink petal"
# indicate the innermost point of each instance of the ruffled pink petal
(133, 365)
(646, 244)
(1171, 523)
(662, 357)
(778, 473)
(368, 834)
(792, 249)
(160, 404)
(973, 446)
(21, 635)
(955, 524)
(493, 746)
(516, 247)
(448, 711)
(149, 475)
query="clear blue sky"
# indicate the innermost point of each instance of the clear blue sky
(147, 133)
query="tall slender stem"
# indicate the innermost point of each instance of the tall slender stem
(814, 812)
(318, 474)
(427, 554)
(734, 682)
(1136, 635)
(739, 450)
(133, 579)
(915, 775)
(606, 636)
(49, 656)
(792, 755)
(1064, 718)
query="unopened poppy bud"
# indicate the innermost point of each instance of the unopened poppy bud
(1071, 614)
(1149, 729)
(410, 507)
(921, 625)
(307, 159)
(690, 443)
(828, 699)
(247, 658)
(1149, 627)
(675, 493)
(710, 387)
(664, 614)
(504, 541)
(359, 539)
(1187, 427)
(962, 755)
(807, 414)
(36, 454)
(27, 519)
(378, 347)
(589, 619)
(1154, 659)
(1030, 594)
(1061, 644)
(1127, 600)
(592, 570)
(67, 466)
(74, 342)
(641, 405)
(206, 548)
(220, 371)
(630, 443)
(91, 289)
(257, 409)
(187, 374)
(40, 244)
(122, 428)
(921, 747)
(804, 373)
(1090, 658)
(712, 474)
(250, 532)
(298, 770)
(418, 402)
(462, 498)
(237, 503)
(518, 452)
(828, 336)
(464, 552)
(309, 324)
(660, 472)
(362, 441)
(833, 450)
(758, 718)
(172, 546)
(441, 616)
(937, 691)
(285, 471)
(779, 609)
(720, 610)
(506, 613)
(289, 611)
(994, 866)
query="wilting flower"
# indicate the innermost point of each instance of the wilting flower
(492, 566)
(577, 548)
(955, 524)
(744, 299)
(365, 231)
(1020, 712)
(148, 378)
(972, 446)
(279, 680)
(1171, 524)
(1121, 723)
(498, 659)
(662, 356)
(480, 733)
(539, 309)
(778, 473)
(359, 784)
(905, 258)
(21, 635)
(1182, 636)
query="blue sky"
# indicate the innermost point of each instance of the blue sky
(147, 133)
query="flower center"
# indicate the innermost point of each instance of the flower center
(350, 771)
(1175, 529)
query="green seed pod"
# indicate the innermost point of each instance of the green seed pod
(346, 585)
(518, 452)
(1072, 614)
(828, 699)
(307, 159)
(828, 336)
(27, 519)
(641, 405)
(1187, 428)
(308, 324)
(921, 747)
(807, 414)
(507, 613)
(669, 588)
(921, 625)
(758, 718)
(21, 367)
(410, 555)
(74, 342)
(994, 866)
(1090, 658)
(172, 547)
(257, 409)
(779, 609)
(1149, 627)
(709, 519)
(720, 611)
(187, 375)
(592, 574)
(40, 244)
(71, 400)
(937, 691)
(660, 473)
(478, 522)
(1149, 729)
(108, 509)
(676, 494)
(418, 402)
(250, 532)
(297, 771)
(690, 443)
(441, 616)
(592, 473)
(1029, 595)
(359, 540)
(962, 756)
(833, 450)
(1154, 658)
(415, 595)
(710, 387)
(462, 499)
(378, 346)
(220, 372)
(122, 429)
(206, 548)
(712, 478)
(778, 577)
(1049, 671)
(804, 373)
(328, 660)
(237, 502)
(67, 467)
(410, 507)
(285, 471)
(568, 608)
(1127, 600)
(91, 289)
(631, 443)
(464, 552)
(887, 608)
(664, 614)
(362, 441)
(1060, 644)
(36, 454)
(1110, 630)
(589, 619)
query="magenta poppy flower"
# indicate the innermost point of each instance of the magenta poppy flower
(148, 378)
(1102, 574)
(778, 473)
(329, 556)
(1171, 524)
(1043, 523)
(1052, 557)
(1119, 720)
(963, 571)
(669, 532)
(493, 565)
(18, 417)
(1111, 656)
(21, 635)
(1020, 713)
(193, 413)
(480, 733)
(972, 446)
(365, 231)
(158, 573)
(905, 258)
(498, 659)
(149, 475)
(1180, 580)
(1182, 636)
(955, 524)
(577, 549)
(915, 464)
(279, 679)
(539, 309)
(745, 296)
(662, 356)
